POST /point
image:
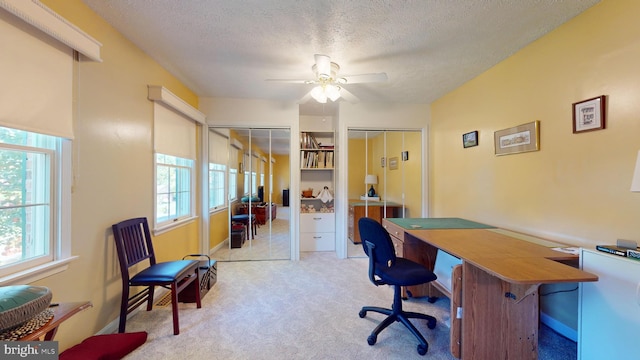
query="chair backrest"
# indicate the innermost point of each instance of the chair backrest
(372, 233)
(133, 243)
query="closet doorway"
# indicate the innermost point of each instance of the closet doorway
(388, 183)
(249, 177)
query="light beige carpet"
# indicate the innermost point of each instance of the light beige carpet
(292, 310)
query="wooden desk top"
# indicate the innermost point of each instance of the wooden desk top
(510, 259)
(61, 313)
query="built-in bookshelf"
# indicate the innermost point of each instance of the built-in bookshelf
(317, 184)
(315, 154)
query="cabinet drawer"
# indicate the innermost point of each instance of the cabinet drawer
(393, 229)
(317, 222)
(398, 246)
(319, 241)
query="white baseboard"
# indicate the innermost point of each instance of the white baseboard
(559, 327)
(219, 246)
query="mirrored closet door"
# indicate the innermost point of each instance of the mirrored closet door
(388, 180)
(249, 178)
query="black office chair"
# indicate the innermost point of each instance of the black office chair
(133, 245)
(387, 269)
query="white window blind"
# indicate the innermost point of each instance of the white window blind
(37, 79)
(218, 149)
(174, 134)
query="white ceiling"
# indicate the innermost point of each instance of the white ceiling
(227, 48)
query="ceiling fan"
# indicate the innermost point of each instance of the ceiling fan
(329, 84)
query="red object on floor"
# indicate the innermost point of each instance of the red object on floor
(105, 347)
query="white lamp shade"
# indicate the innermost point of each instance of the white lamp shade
(635, 183)
(371, 179)
(318, 94)
(332, 92)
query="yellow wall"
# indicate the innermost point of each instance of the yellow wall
(404, 184)
(113, 170)
(281, 177)
(576, 188)
(356, 155)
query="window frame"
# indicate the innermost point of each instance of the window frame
(61, 181)
(179, 219)
(233, 185)
(225, 188)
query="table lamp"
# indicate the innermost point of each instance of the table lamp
(373, 179)
(635, 183)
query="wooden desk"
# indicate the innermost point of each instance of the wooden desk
(499, 281)
(376, 210)
(61, 313)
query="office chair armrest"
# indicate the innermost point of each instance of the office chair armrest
(372, 262)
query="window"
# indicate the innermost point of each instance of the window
(233, 184)
(175, 126)
(246, 182)
(216, 186)
(173, 189)
(29, 184)
(254, 184)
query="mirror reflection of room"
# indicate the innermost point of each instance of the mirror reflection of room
(389, 184)
(251, 220)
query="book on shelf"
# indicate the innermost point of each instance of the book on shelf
(620, 251)
(308, 141)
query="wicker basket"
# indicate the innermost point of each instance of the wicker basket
(20, 303)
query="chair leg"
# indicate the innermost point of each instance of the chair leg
(150, 299)
(124, 307)
(380, 310)
(174, 307)
(404, 320)
(197, 287)
(397, 314)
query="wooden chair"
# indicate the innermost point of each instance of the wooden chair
(133, 245)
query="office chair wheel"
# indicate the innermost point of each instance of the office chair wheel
(362, 314)
(371, 340)
(422, 349)
(431, 324)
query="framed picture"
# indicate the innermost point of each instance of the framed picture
(393, 163)
(589, 115)
(470, 139)
(405, 156)
(518, 139)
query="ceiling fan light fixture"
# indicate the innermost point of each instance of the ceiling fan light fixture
(318, 94)
(332, 92)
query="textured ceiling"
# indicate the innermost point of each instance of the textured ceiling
(227, 48)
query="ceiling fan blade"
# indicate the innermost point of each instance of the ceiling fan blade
(348, 96)
(292, 81)
(305, 98)
(323, 65)
(364, 78)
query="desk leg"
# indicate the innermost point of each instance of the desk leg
(456, 302)
(500, 320)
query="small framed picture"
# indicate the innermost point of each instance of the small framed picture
(405, 155)
(518, 139)
(393, 163)
(589, 115)
(470, 139)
